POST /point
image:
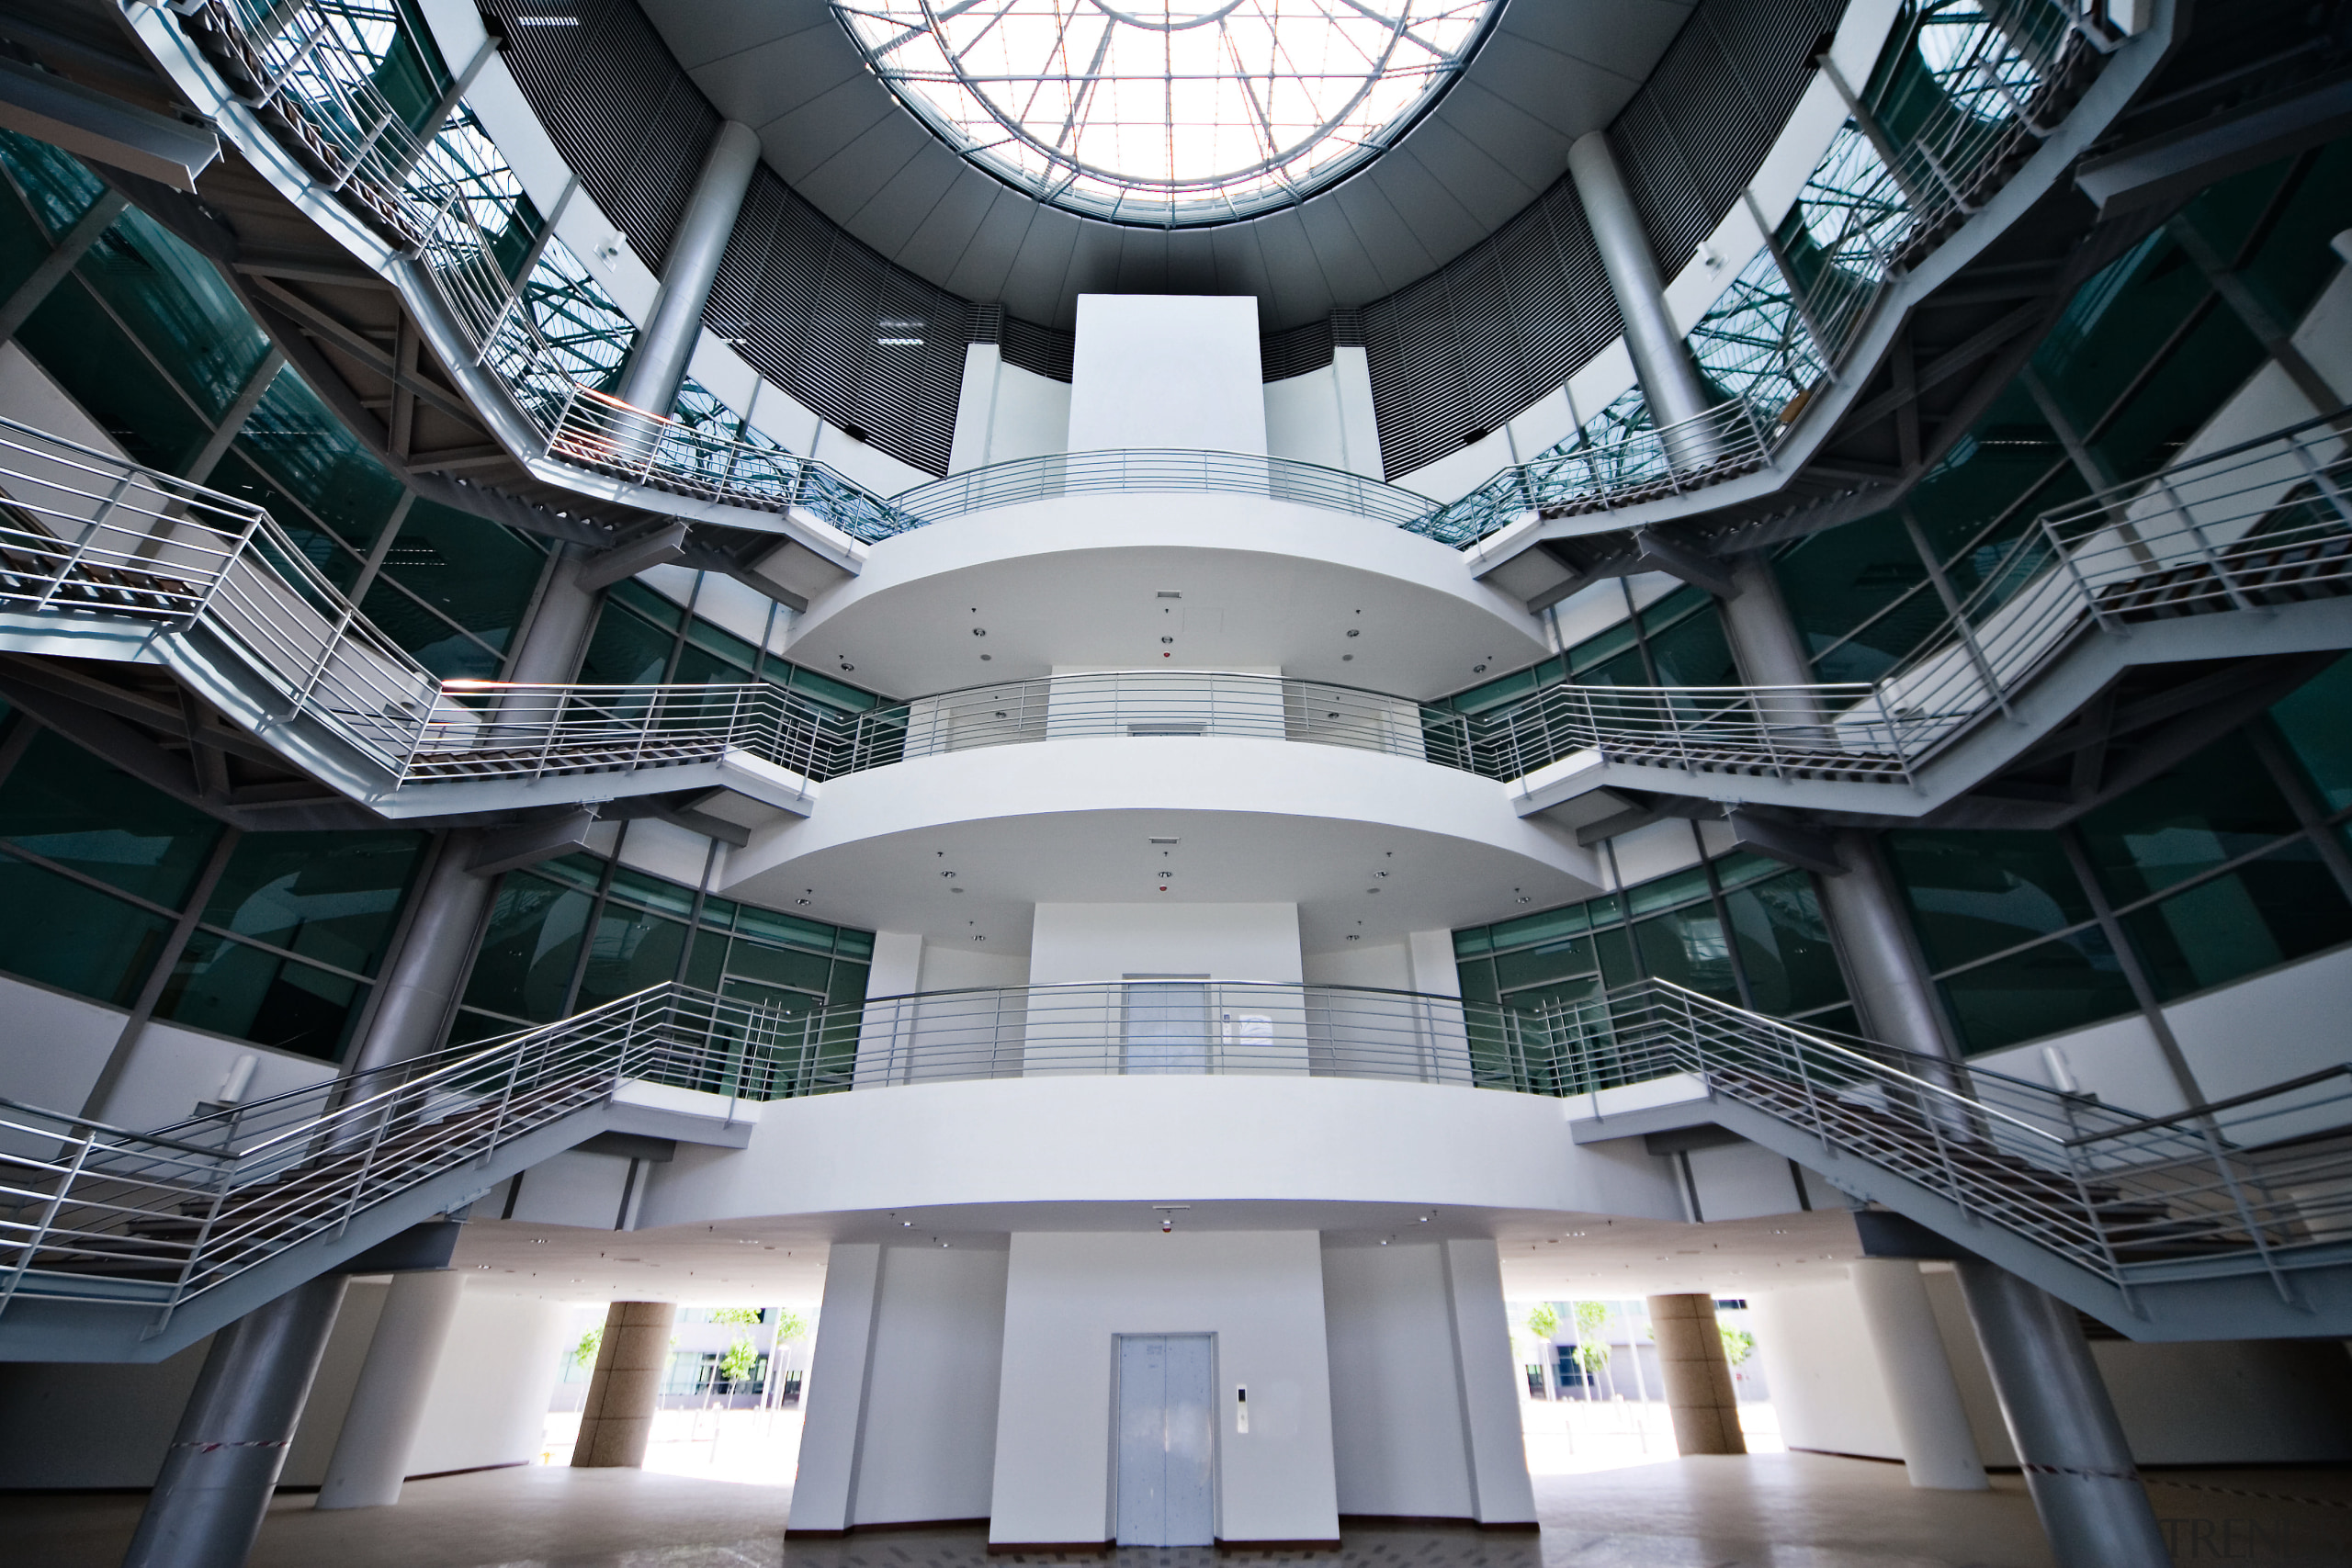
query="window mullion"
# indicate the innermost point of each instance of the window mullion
(151, 994)
(2128, 957)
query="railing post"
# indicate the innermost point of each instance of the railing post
(2098, 614)
(49, 1215)
(2213, 560)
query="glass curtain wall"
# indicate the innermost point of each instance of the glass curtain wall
(100, 873)
(1677, 640)
(2146, 354)
(1739, 928)
(2232, 863)
(147, 337)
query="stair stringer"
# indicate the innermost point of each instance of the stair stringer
(2194, 1300)
(41, 1328)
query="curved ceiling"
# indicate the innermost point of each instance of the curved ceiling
(1549, 71)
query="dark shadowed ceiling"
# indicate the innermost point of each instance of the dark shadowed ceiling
(1549, 71)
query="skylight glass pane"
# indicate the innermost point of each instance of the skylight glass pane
(1167, 112)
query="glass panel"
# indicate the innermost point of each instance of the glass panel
(78, 343)
(2212, 363)
(55, 182)
(337, 562)
(434, 643)
(1978, 892)
(848, 987)
(332, 896)
(1663, 892)
(777, 966)
(2312, 722)
(1550, 923)
(1784, 948)
(654, 893)
(2215, 806)
(2292, 263)
(659, 608)
(294, 441)
(2058, 985)
(174, 300)
(1616, 950)
(67, 806)
(229, 989)
(1543, 964)
(1689, 949)
(632, 951)
(473, 571)
(2281, 907)
(626, 651)
(2004, 456)
(768, 925)
(524, 968)
(2114, 325)
(725, 646)
(1694, 653)
(1478, 979)
(848, 943)
(1836, 580)
(831, 693)
(76, 938)
(708, 961)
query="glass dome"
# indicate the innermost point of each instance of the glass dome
(1167, 112)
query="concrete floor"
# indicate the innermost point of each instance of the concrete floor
(1767, 1511)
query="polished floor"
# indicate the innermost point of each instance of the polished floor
(1766, 1511)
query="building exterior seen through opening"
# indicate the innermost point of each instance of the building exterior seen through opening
(1278, 776)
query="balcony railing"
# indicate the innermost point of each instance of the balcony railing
(1148, 471)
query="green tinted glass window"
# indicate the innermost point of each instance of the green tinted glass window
(472, 572)
(229, 989)
(773, 926)
(56, 184)
(2292, 261)
(1546, 962)
(337, 562)
(632, 950)
(626, 651)
(1544, 927)
(1688, 947)
(2006, 456)
(1839, 578)
(1978, 892)
(524, 966)
(61, 933)
(654, 893)
(332, 896)
(2058, 985)
(2114, 325)
(2215, 806)
(432, 641)
(176, 303)
(779, 966)
(2197, 378)
(2275, 908)
(79, 345)
(65, 804)
(303, 449)
(1783, 944)
(2316, 721)
(1664, 892)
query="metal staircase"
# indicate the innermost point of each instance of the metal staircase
(2227, 1221)
(102, 559)
(2232, 1220)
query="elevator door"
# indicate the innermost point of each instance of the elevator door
(1164, 1440)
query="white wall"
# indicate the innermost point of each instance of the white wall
(1386, 964)
(1324, 416)
(1109, 942)
(569, 1189)
(1398, 1443)
(1117, 1139)
(927, 1446)
(1743, 1181)
(1069, 1294)
(491, 1386)
(1006, 412)
(2233, 1402)
(947, 968)
(1167, 370)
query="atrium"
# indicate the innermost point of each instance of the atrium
(1497, 780)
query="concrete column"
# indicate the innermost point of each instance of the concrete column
(551, 645)
(657, 365)
(1669, 377)
(388, 1405)
(224, 1460)
(833, 1399)
(1501, 1494)
(1938, 1449)
(623, 1391)
(1890, 984)
(2077, 1465)
(1699, 1393)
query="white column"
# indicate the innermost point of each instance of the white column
(388, 1405)
(975, 407)
(1359, 430)
(887, 1029)
(1500, 1492)
(833, 1400)
(1938, 1447)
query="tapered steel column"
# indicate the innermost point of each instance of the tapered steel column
(224, 1460)
(2077, 1465)
(1699, 1391)
(388, 1405)
(657, 365)
(1669, 377)
(626, 1388)
(420, 986)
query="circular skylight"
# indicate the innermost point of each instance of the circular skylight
(1167, 111)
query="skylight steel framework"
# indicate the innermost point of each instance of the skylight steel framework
(1168, 113)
